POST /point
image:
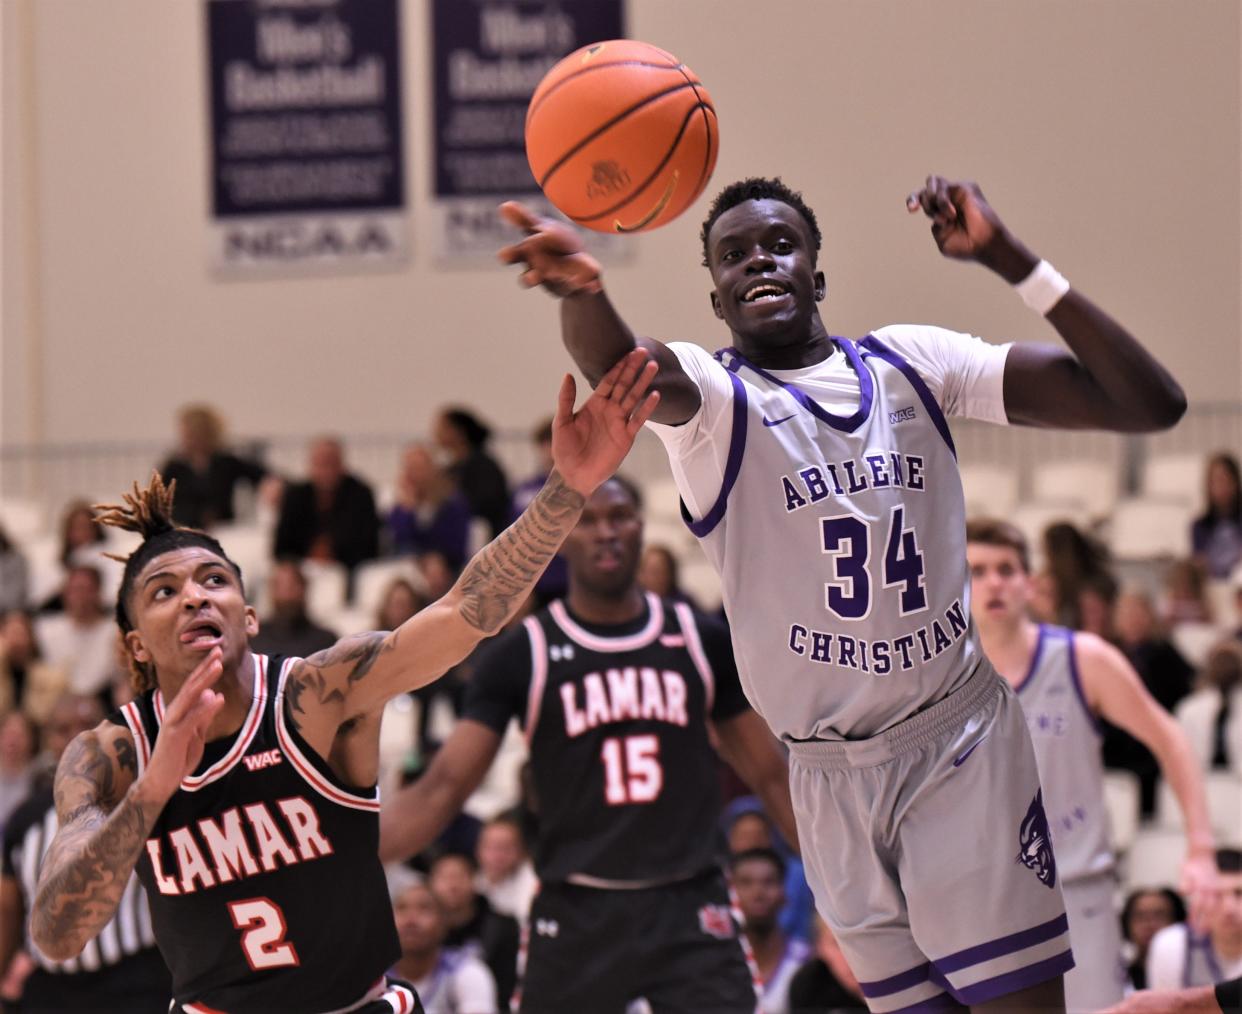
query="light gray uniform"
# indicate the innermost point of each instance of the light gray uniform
(840, 541)
(1071, 769)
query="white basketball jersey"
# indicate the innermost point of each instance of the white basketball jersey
(1067, 750)
(840, 541)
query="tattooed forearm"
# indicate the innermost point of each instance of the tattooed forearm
(503, 573)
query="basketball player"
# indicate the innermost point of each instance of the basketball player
(820, 475)
(242, 787)
(1066, 682)
(615, 689)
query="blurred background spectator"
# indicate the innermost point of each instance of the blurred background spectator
(758, 879)
(1180, 956)
(1212, 715)
(288, 629)
(27, 681)
(1216, 535)
(207, 474)
(80, 639)
(659, 573)
(1078, 583)
(825, 984)
(14, 575)
(18, 743)
(506, 875)
(463, 438)
(747, 827)
(431, 514)
(1146, 912)
(1185, 594)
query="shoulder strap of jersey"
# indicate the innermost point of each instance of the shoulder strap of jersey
(538, 672)
(705, 525)
(1071, 652)
(694, 645)
(872, 346)
(139, 717)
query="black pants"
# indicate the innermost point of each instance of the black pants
(677, 945)
(137, 985)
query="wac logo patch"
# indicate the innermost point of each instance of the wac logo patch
(901, 415)
(266, 759)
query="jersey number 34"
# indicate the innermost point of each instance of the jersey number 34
(847, 539)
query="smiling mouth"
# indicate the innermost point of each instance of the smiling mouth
(764, 292)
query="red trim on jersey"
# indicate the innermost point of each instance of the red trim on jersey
(400, 999)
(133, 718)
(192, 783)
(309, 773)
(538, 674)
(655, 625)
(200, 1008)
(695, 646)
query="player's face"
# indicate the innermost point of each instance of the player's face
(183, 604)
(1149, 914)
(604, 547)
(452, 881)
(499, 851)
(419, 919)
(1000, 589)
(762, 259)
(1228, 917)
(760, 893)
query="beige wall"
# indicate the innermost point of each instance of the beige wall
(1106, 132)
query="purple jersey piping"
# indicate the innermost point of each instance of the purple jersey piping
(1072, 649)
(875, 347)
(1039, 650)
(733, 464)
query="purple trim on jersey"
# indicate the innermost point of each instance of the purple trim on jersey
(1194, 942)
(1001, 946)
(1019, 978)
(866, 388)
(1078, 688)
(875, 347)
(896, 983)
(1039, 650)
(733, 465)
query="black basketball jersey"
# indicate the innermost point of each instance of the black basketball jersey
(624, 772)
(266, 889)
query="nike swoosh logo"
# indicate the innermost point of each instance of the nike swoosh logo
(777, 422)
(961, 759)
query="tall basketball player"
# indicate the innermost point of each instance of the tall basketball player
(615, 690)
(820, 475)
(1066, 682)
(242, 787)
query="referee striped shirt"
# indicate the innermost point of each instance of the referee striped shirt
(27, 837)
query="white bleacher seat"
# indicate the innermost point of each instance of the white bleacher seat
(1121, 798)
(1223, 597)
(1196, 640)
(1154, 858)
(1175, 477)
(250, 547)
(45, 573)
(661, 501)
(1093, 484)
(991, 490)
(1224, 796)
(1144, 528)
(325, 589)
(371, 581)
(1032, 517)
(23, 520)
(480, 534)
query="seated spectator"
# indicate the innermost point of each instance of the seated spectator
(1078, 580)
(463, 438)
(447, 981)
(438, 574)
(506, 875)
(747, 828)
(288, 629)
(1145, 913)
(658, 574)
(330, 517)
(758, 877)
(1180, 957)
(1185, 594)
(431, 514)
(1216, 535)
(554, 582)
(1212, 715)
(825, 984)
(18, 742)
(82, 541)
(27, 681)
(14, 575)
(400, 601)
(206, 472)
(82, 639)
(472, 925)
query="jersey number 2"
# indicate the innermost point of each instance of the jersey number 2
(847, 539)
(632, 772)
(263, 933)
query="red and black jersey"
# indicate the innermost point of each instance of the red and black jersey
(616, 719)
(262, 871)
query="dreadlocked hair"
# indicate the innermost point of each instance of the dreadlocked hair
(758, 188)
(149, 513)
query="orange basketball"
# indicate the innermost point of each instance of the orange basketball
(621, 136)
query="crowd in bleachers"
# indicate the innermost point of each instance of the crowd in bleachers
(327, 555)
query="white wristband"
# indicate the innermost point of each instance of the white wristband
(1043, 288)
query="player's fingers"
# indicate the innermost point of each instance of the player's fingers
(609, 380)
(639, 386)
(565, 401)
(643, 413)
(201, 677)
(518, 214)
(530, 278)
(631, 367)
(942, 204)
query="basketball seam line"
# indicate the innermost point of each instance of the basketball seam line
(598, 66)
(708, 160)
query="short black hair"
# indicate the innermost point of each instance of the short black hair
(758, 188)
(1229, 860)
(770, 856)
(476, 432)
(630, 489)
(1177, 907)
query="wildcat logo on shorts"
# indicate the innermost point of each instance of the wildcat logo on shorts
(1036, 843)
(716, 921)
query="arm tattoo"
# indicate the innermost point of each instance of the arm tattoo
(504, 571)
(88, 865)
(357, 653)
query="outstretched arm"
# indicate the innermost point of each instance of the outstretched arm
(591, 328)
(412, 819)
(1106, 380)
(1115, 691)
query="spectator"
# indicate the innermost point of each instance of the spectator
(288, 629)
(331, 516)
(400, 601)
(758, 877)
(1212, 715)
(825, 984)
(82, 639)
(506, 876)
(26, 680)
(1185, 589)
(447, 981)
(1145, 913)
(18, 741)
(1079, 582)
(431, 514)
(1216, 535)
(1180, 957)
(555, 580)
(472, 925)
(438, 575)
(80, 534)
(747, 828)
(463, 438)
(206, 473)
(14, 575)
(658, 573)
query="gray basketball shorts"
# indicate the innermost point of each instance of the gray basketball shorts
(929, 855)
(1098, 979)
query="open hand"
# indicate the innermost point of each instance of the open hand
(552, 253)
(964, 225)
(183, 733)
(588, 445)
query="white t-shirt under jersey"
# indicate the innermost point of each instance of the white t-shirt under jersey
(964, 373)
